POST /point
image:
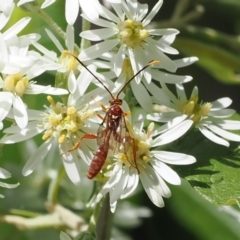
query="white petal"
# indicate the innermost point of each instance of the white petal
(35, 160)
(55, 40)
(131, 185)
(90, 8)
(71, 11)
(118, 188)
(185, 61)
(142, 96)
(227, 124)
(174, 158)
(99, 34)
(167, 31)
(70, 37)
(4, 174)
(16, 28)
(20, 112)
(224, 134)
(154, 195)
(97, 50)
(166, 173)
(47, 3)
(21, 136)
(7, 185)
(6, 99)
(118, 61)
(213, 137)
(173, 134)
(71, 163)
(222, 113)
(153, 12)
(221, 103)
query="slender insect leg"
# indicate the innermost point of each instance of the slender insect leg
(77, 144)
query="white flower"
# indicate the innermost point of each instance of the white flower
(149, 166)
(126, 33)
(20, 67)
(4, 174)
(142, 90)
(45, 4)
(65, 125)
(209, 118)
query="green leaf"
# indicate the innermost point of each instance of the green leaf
(221, 64)
(216, 174)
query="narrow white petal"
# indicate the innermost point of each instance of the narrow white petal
(70, 38)
(222, 113)
(118, 60)
(20, 112)
(131, 185)
(185, 61)
(71, 11)
(172, 122)
(208, 134)
(21, 136)
(174, 158)
(99, 34)
(55, 40)
(97, 50)
(142, 96)
(154, 195)
(153, 12)
(227, 124)
(167, 31)
(138, 119)
(225, 134)
(118, 188)
(35, 160)
(8, 185)
(16, 28)
(221, 103)
(71, 163)
(47, 3)
(6, 99)
(173, 134)
(4, 174)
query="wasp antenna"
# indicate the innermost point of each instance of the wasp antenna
(153, 62)
(72, 54)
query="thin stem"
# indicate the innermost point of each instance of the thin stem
(54, 186)
(101, 220)
(47, 19)
(104, 223)
(85, 26)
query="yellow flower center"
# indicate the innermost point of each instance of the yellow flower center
(15, 83)
(132, 33)
(68, 61)
(138, 152)
(63, 122)
(194, 110)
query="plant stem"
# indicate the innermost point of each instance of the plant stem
(85, 26)
(54, 186)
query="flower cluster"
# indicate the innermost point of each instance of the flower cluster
(97, 85)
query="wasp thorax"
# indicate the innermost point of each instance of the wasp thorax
(194, 110)
(132, 33)
(115, 102)
(15, 83)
